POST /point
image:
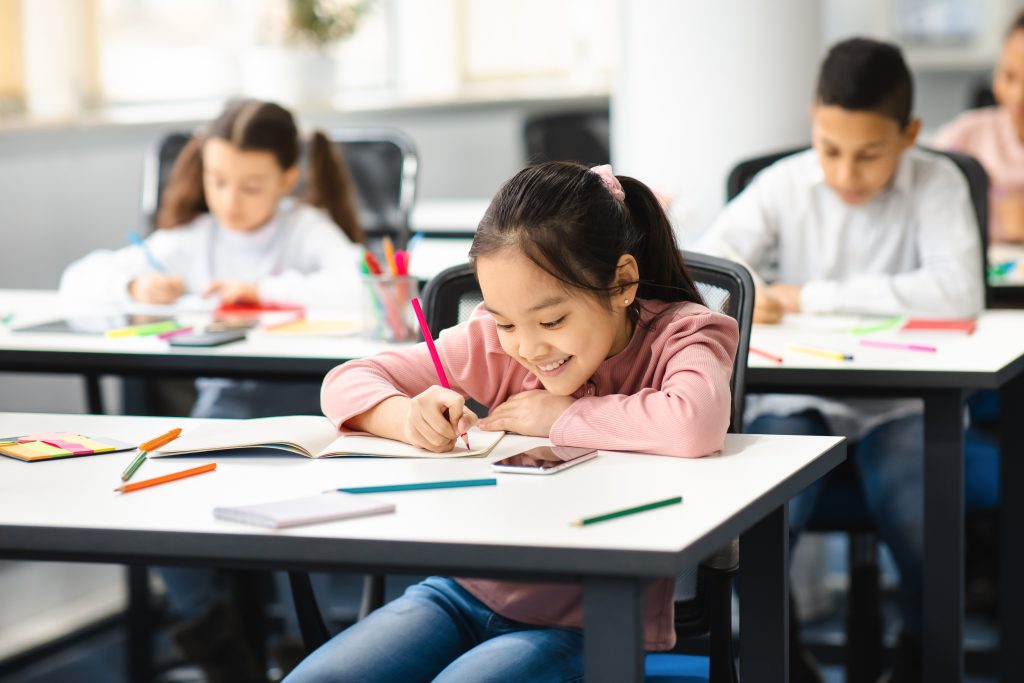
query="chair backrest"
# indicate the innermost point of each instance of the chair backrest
(581, 136)
(974, 172)
(450, 297)
(726, 287)
(383, 164)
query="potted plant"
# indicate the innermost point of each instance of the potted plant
(294, 64)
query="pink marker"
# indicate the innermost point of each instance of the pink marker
(174, 333)
(441, 377)
(897, 345)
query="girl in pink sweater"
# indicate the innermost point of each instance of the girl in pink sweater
(592, 334)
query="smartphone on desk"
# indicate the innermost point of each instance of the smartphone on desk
(208, 338)
(544, 460)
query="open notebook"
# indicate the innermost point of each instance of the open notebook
(309, 435)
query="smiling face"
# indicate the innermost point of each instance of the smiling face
(1008, 79)
(560, 335)
(859, 151)
(243, 187)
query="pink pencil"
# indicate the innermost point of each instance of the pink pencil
(897, 345)
(441, 377)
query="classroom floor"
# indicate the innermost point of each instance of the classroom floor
(100, 657)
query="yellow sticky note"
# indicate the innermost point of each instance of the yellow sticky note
(34, 450)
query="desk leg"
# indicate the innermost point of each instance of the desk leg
(764, 599)
(943, 536)
(139, 624)
(1011, 481)
(93, 394)
(613, 630)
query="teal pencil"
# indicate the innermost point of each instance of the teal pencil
(421, 486)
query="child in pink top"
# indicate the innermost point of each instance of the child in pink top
(995, 136)
(592, 334)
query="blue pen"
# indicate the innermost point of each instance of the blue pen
(413, 242)
(420, 486)
(137, 240)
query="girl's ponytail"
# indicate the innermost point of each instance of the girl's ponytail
(663, 273)
(183, 199)
(331, 186)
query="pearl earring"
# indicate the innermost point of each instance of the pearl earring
(626, 302)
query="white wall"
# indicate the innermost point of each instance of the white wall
(702, 85)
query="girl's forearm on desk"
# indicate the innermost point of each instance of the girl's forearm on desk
(386, 419)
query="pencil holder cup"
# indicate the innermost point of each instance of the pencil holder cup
(387, 311)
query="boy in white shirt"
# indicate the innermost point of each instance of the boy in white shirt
(863, 223)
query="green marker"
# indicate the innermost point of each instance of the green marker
(882, 326)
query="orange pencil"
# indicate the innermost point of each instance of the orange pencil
(128, 488)
(389, 255)
(161, 440)
(764, 354)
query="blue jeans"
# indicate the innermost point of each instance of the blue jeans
(437, 631)
(887, 486)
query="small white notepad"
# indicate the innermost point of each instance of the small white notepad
(324, 507)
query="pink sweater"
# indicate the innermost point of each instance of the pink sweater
(667, 392)
(989, 136)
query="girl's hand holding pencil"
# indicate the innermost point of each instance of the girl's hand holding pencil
(156, 288)
(427, 426)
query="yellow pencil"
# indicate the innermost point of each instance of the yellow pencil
(822, 353)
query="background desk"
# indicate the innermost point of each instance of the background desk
(263, 357)
(1007, 291)
(991, 358)
(65, 510)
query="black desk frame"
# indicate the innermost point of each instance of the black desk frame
(944, 395)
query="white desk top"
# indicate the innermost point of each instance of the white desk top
(997, 343)
(521, 511)
(37, 306)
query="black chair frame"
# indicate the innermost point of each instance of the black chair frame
(447, 299)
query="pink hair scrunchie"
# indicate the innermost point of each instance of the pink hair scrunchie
(610, 181)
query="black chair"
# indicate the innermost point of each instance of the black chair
(383, 164)
(864, 627)
(450, 298)
(581, 136)
(974, 173)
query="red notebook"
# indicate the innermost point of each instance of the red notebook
(963, 325)
(257, 308)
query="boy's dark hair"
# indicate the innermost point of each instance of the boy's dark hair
(1017, 25)
(861, 74)
(268, 127)
(561, 215)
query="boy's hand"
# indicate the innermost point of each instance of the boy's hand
(530, 413)
(788, 297)
(426, 425)
(156, 288)
(767, 308)
(234, 291)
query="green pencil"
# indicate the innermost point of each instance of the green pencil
(628, 511)
(134, 467)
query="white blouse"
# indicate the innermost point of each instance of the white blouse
(300, 256)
